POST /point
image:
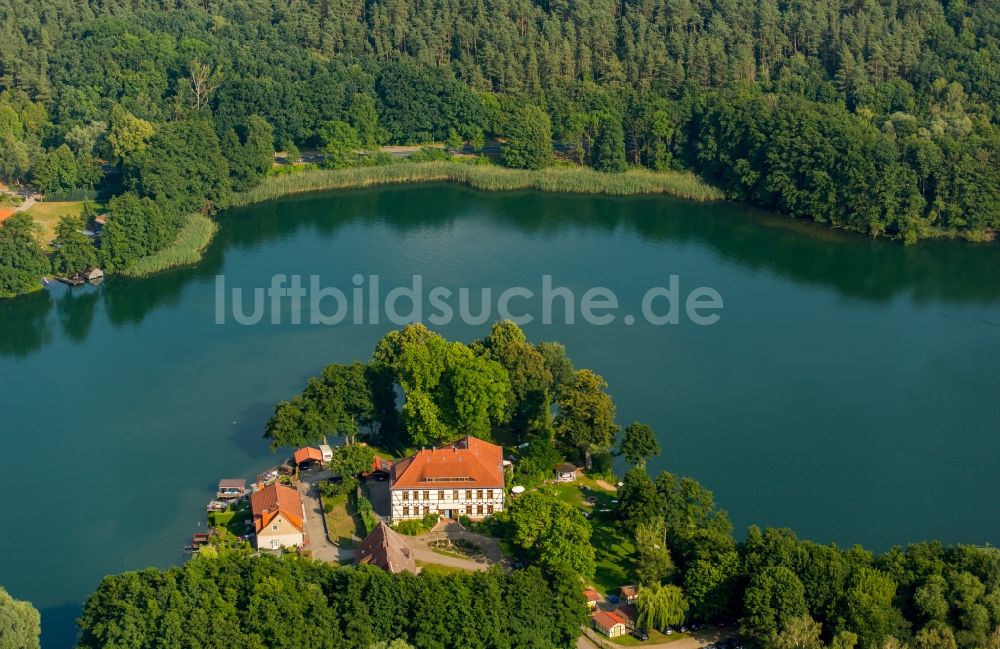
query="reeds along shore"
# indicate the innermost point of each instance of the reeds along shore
(197, 233)
(186, 249)
(581, 180)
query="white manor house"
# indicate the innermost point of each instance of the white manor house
(465, 478)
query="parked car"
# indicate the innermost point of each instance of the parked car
(640, 634)
(684, 629)
(668, 631)
(613, 599)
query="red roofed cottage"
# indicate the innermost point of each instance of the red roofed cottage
(610, 624)
(277, 517)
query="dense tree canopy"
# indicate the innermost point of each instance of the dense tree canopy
(880, 117)
(238, 601)
(20, 623)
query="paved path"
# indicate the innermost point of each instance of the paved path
(315, 522)
(692, 641)
(453, 530)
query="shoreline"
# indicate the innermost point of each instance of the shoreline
(199, 231)
(195, 237)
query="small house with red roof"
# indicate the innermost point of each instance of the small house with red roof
(465, 478)
(609, 623)
(381, 469)
(593, 597)
(307, 457)
(278, 517)
(630, 594)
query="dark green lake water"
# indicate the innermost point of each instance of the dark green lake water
(849, 390)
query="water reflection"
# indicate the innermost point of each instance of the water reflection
(804, 253)
(24, 324)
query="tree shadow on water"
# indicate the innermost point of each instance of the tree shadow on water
(25, 326)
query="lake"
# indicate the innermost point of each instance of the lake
(848, 390)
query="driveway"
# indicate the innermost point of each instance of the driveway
(378, 494)
(317, 540)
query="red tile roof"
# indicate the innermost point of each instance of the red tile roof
(629, 591)
(387, 549)
(608, 619)
(469, 462)
(628, 613)
(276, 499)
(308, 453)
(592, 595)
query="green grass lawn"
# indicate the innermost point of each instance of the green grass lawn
(341, 521)
(233, 520)
(47, 215)
(614, 550)
(437, 569)
(655, 637)
(614, 555)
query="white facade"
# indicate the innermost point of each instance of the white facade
(474, 502)
(279, 533)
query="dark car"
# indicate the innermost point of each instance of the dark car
(640, 634)
(613, 599)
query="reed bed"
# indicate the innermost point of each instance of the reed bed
(191, 241)
(578, 180)
(197, 233)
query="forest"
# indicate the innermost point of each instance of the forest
(233, 601)
(875, 116)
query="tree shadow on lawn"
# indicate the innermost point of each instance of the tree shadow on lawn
(614, 555)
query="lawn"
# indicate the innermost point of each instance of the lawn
(614, 550)
(655, 637)
(437, 569)
(234, 519)
(341, 521)
(47, 215)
